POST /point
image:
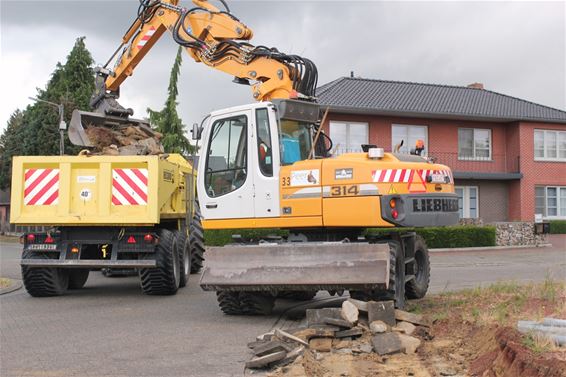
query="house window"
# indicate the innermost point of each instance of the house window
(349, 136)
(408, 134)
(550, 145)
(474, 144)
(550, 201)
(468, 201)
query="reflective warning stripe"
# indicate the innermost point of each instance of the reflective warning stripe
(129, 187)
(41, 187)
(143, 40)
(402, 175)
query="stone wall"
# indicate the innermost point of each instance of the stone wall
(516, 234)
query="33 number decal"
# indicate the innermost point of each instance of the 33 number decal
(344, 190)
(286, 181)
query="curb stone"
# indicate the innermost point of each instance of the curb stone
(488, 248)
(12, 288)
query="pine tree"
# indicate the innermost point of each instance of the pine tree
(167, 120)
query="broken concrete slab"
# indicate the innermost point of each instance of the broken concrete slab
(325, 327)
(265, 337)
(291, 356)
(378, 327)
(317, 316)
(407, 327)
(338, 322)
(350, 312)
(307, 334)
(356, 331)
(386, 343)
(285, 335)
(271, 347)
(363, 348)
(382, 311)
(256, 343)
(409, 343)
(361, 305)
(263, 361)
(320, 344)
(416, 319)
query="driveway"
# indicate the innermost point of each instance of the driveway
(110, 328)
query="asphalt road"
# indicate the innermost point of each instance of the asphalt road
(110, 328)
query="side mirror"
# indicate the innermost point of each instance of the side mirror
(196, 131)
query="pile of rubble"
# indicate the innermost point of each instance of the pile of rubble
(357, 327)
(125, 140)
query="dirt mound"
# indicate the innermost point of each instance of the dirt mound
(129, 140)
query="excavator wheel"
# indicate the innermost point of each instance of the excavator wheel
(196, 241)
(183, 246)
(164, 279)
(42, 281)
(297, 295)
(245, 303)
(78, 278)
(417, 287)
(395, 290)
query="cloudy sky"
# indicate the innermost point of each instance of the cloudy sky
(515, 48)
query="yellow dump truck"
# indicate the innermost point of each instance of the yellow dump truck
(106, 212)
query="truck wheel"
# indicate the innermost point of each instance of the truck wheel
(297, 295)
(163, 280)
(183, 246)
(41, 281)
(395, 290)
(196, 240)
(229, 302)
(417, 287)
(78, 278)
(253, 303)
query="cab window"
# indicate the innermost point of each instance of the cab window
(264, 150)
(296, 141)
(226, 162)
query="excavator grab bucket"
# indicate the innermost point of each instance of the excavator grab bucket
(82, 121)
(296, 266)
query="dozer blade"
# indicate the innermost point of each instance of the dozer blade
(81, 121)
(295, 266)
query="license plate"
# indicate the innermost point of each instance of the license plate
(438, 178)
(42, 246)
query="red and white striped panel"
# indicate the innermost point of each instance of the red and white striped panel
(41, 187)
(403, 175)
(143, 40)
(129, 187)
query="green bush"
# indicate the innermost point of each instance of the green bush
(438, 237)
(448, 237)
(558, 227)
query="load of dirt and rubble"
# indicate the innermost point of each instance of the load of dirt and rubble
(125, 140)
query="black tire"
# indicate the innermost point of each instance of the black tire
(42, 281)
(245, 303)
(394, 292)
(163, 280)
(183, 245)
(196, 241)
(78, 278)
(416, 288)
(297, 295)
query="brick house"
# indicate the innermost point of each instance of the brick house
(508, 155)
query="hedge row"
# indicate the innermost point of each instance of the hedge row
(438, 237)
(558, 227)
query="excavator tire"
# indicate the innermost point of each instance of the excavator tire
(297, 295)
(78, 278)
(196, 241)
(183, 246)
(43, 282)
(393, 292)
(417, 287)
(164, 279)
(245, 303)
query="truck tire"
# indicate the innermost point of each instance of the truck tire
(184, 248)
(229, 302)
(245, 303)
(416, 288)
(196, 240)
(42, 281)
(297, 295)
(163, 280)
(78, 278)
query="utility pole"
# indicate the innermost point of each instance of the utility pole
(62, 124)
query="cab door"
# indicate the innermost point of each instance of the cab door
(225, 174)
(265, 145)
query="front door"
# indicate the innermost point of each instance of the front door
(226, 178)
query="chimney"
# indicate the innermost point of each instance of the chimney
(476, 85)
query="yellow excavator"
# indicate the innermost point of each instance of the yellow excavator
(268, 165)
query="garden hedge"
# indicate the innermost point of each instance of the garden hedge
(558, 227)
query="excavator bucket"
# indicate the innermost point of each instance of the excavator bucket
(297, 267)
(83, 121)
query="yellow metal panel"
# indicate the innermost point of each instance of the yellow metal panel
(360, 211)
(297, 197)
(279, 222)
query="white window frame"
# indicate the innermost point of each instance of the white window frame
(345, 146)
(560, 215)
(545, 147)
(474, 157)
(406, 141)
(466, 201)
